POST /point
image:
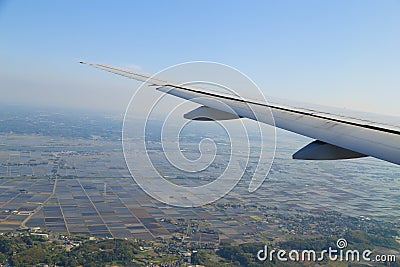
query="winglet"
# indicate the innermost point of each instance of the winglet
(129, 74)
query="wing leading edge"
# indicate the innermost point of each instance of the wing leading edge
(337, 137)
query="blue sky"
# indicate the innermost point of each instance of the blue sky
(339, 53)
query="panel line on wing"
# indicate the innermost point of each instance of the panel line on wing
(298, 111)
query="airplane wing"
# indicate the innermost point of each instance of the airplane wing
(336, 136)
